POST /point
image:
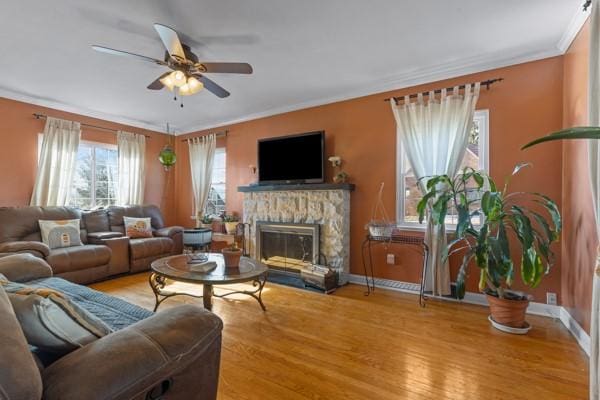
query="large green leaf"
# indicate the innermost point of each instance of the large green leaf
(580, 132)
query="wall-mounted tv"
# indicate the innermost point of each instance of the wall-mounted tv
(292, 159)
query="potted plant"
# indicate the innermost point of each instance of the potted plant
(206, 221)
(231, 222)
(487, 219)
(232, 255)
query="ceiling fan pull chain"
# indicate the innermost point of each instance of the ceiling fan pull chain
(175, 92)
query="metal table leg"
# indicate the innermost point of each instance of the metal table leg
(256, 294)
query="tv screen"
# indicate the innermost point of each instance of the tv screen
(292, 159)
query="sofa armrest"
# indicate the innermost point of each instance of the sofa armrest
(178, 349)
(119, 259)
(99, 237)
(168, 231)
(24, 267)
(24, 247)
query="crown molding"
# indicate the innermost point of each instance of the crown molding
(58, 105)
(573, 29)
(411, 78)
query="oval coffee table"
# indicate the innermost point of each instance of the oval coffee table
(176, 268)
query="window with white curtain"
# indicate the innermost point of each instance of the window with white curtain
(216, 197)
(95, 179)
(408, 194)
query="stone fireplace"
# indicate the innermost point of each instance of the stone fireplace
(325, 207)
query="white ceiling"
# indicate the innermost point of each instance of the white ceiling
(304, 52)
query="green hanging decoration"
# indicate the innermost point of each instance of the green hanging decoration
(167, 156)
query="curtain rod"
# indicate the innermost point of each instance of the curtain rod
(587, 5)
(218, 135)
(102, 128)
(437, 91)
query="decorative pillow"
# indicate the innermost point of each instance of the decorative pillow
(58, 234)
(137, 227)
(50, 321)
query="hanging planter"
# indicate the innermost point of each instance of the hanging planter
(167, 157)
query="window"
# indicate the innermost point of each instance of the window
(216, 196)
(409, 195)
(95, 179)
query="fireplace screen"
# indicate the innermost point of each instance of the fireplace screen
(288, 247)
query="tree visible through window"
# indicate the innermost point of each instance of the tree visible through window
(216, 197)
(409, 193)
(95, 179)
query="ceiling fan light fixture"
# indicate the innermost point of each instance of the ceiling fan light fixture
(179, 78)
(194, 85)
(168, 82)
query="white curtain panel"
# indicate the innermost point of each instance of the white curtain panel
(56, 165)
(132, 158)
(594, 160)
(202, 154)
(434, 134)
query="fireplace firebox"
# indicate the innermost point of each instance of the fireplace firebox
(287, 247)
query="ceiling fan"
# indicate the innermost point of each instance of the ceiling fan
(187, 72)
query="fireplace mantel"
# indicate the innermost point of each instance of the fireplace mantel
(327, 205)
(304, 186)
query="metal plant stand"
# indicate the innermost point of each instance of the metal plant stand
(367, 259)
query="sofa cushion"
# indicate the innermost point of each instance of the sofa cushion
(116, 214)
(21, 223)
(150, 247)
(50, 321)
(96, 221)
(137, 227)
(19, 375)
(63, 233)
(81, 257)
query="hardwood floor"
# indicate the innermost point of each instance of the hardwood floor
(348, 346)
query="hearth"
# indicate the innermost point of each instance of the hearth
(287, 247)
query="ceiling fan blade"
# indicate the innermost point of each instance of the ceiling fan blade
(171, 40)
(157, 84)
(108, 50)
(212, 86)
(225, 67)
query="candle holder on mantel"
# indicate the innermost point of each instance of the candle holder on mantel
(340, 176)
(252, 169)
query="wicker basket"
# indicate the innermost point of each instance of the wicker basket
(380, 226)
(380, 229)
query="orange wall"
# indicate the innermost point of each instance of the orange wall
(579, 236)
(362, 131)
(18, 154)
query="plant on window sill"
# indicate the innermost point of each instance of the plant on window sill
(504, 213)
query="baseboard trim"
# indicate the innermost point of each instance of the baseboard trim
(576, 330)
(545, 310)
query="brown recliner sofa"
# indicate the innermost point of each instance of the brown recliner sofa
(174, 354)
(105, 252)
(142, 251)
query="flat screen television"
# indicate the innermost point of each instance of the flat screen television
(292, 159)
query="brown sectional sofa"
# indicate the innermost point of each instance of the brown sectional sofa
(106, 251)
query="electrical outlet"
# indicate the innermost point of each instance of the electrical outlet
(391, 259)
(551, 298)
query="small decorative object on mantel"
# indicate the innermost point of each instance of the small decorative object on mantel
(232, 255)
(231, 222)
(340, 176)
